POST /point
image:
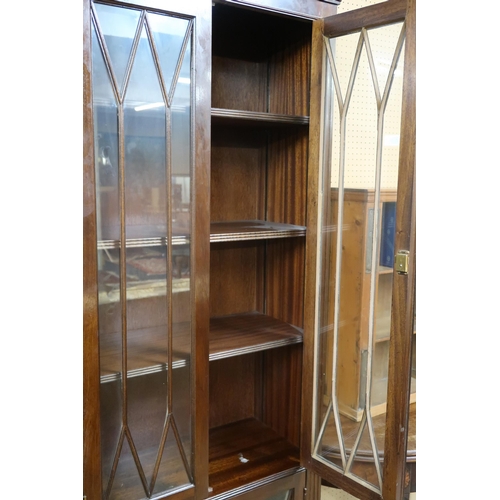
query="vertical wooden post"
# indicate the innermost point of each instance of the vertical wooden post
(404, 285)
(91, 427)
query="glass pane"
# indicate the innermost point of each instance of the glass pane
(143, 172)
(168, 35)
(108, 277)
(145, 149)
(412, 424)
(106, 146)
(181, 250)
(119, 26)
(357, 249)
(285, 495)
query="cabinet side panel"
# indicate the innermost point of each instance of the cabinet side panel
(286, 202)
(282, 391)
(285, 280)
(286, 176)
(289, 72)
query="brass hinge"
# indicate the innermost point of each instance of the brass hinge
(401, 261)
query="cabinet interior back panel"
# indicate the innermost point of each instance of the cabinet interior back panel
(236, 278)
(236, 397)
(237, 174)
(239, 85)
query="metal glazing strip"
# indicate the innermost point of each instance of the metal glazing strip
(381, 104)
(343, 109)
(143, 242)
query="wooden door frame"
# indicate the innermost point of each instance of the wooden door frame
(394, 465)
(91, 425)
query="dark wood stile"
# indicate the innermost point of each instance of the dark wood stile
(91, 427)
(311, 240)
(403, 299)
(201, 243)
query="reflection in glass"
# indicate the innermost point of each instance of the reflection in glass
(106, 172)
(285, 495)
(119, 27)
(357, 248)
(169, 35)
(145, 150)
(144, 284)
(181, 254)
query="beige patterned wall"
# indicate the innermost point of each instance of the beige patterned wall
(361, 131)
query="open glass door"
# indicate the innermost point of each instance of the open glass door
(361, 250)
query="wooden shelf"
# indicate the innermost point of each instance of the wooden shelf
(253, 230)
(143, 235)
(245, 452)
(146, 349)
(127, 484)
(144, 290)
(254, 118)
(246, 333)
(142, 242)
(219, 231)
(229, 336)
(350, 429)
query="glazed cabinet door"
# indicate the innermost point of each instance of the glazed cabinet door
(147, 117)
(359, 417)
